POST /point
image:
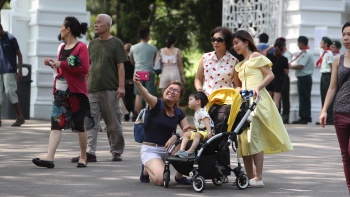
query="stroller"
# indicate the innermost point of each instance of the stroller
(230, 111)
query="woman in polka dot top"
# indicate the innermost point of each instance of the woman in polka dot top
(215, 69)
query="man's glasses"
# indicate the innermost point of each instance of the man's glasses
(175, 91)
(218, 39)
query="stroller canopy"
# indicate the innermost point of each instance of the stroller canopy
(226, 96)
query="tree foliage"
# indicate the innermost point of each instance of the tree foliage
(190, 20)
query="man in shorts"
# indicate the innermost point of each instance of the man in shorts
(142, 55)
(8, 72)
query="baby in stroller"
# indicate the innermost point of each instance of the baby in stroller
(229, 113)
(202, 128)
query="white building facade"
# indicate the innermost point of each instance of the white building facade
(36, 24)
(291, 19)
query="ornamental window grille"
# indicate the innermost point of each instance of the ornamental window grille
(254, 16)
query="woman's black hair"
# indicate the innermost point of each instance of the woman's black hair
(226, 33)
(347, 24)
(78, 29)
(245, 36)
(199, 95)
(171, 39)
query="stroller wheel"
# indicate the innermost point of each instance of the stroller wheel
(166, 178)
(242, 181)
(218, 180)
(198, 184)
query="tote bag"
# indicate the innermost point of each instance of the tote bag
(158, 66)
(139, 126)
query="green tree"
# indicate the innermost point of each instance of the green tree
(189, 20)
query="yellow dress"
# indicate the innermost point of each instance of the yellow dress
(267, 132)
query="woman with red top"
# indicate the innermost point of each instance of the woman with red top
(70, 104)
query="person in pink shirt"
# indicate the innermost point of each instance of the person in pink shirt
(70, 96)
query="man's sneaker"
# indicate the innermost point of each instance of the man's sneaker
(18, 122)
(116, 157)
(90, 158)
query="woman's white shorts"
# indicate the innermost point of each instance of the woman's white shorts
(150, 152)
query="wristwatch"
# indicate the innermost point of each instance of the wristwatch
(177, 135)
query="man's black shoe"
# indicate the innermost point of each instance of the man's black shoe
(300, 121)
(90, 158)
(127, 117)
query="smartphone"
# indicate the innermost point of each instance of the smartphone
(144, 75)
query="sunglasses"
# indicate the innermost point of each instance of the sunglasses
(218, 39)
(175, 91)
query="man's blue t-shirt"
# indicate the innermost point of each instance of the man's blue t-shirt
(8, 61)
(162, 126)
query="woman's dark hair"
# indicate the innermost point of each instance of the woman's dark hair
(226, 33)
(280, 44)
(199, 95)
(245, 36)
(78, 29)
(347, 24)
(170, 40)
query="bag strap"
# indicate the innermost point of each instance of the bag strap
(141, 117)
(160, 53)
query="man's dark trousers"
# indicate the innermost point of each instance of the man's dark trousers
(285, 98)
(304, 89)
(324, 84)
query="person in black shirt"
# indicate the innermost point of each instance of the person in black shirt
(279, 67)
(129, 98)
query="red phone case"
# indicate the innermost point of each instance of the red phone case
(144, 75)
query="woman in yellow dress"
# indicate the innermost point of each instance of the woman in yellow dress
(267, 133)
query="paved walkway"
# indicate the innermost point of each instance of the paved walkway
(313, 169)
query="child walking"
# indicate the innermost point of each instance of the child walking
(202, 125)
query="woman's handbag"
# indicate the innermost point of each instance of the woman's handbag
(158, 66)
(139, 126)
(61, 84)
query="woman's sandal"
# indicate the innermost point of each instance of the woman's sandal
(43, 163)
(82, 165)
